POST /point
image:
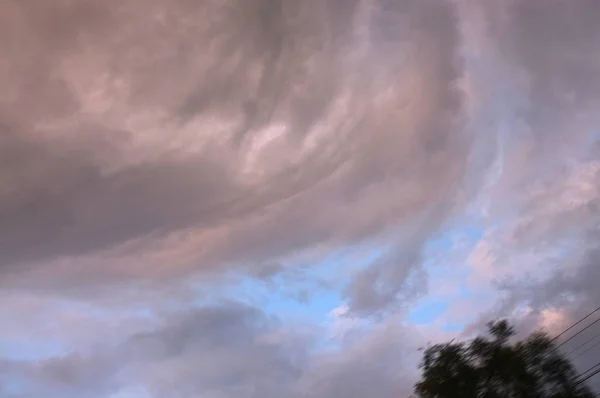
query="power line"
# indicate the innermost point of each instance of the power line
(575, 324)
(578, 333)
(583, 352)
(589, 376)
(587, 371)
(582, 344)
(579, 379)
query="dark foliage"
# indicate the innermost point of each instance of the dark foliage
(492, 367)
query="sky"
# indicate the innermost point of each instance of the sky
(283, 198)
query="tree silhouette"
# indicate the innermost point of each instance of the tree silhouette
(491, 367)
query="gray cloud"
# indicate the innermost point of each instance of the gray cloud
(215, 351)
(149, 144)
(161, 114)
(223, 350)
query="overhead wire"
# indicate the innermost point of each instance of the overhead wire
(594, 373)
(575, 324)
(582, 377)
(578, 333)
(583, 344)
(587, 371)
(583, 352)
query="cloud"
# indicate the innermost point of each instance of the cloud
(225, 349)
(156, 153)
(204, 140)
(212, 350)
